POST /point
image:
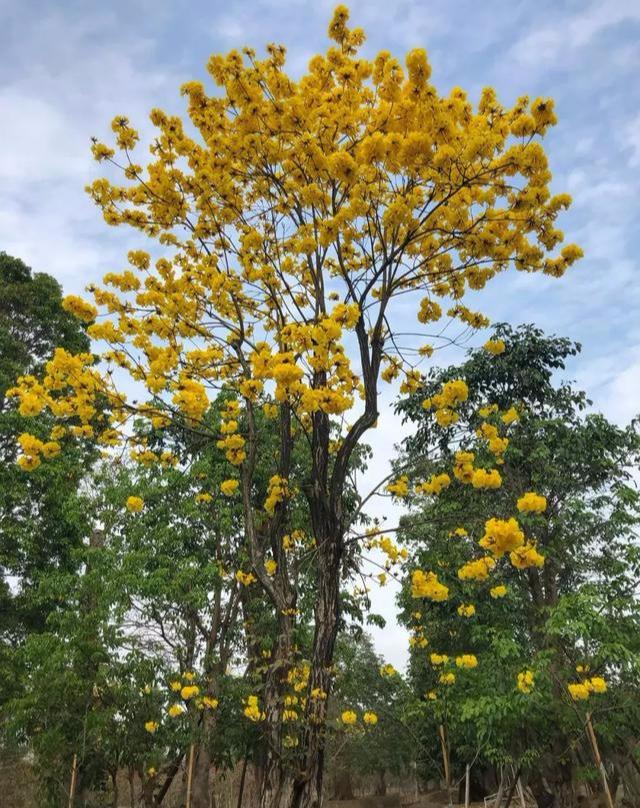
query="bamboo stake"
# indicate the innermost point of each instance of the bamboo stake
(190, 775)
(74, 778)
(598, 760)
(467, 786)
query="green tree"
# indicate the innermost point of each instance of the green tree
(579, 609)
(42, 518)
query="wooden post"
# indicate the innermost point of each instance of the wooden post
(445, 755)
(74, 779)
(498, 802)
(190, 775)
(467, 786)
(599, 764)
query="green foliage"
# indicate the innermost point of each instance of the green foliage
(580, 608)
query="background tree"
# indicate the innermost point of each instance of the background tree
(42, 516)
(580, 609)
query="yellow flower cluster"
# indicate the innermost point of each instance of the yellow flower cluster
(229, 487)
(498, 591)
(370, 718)
(483, 478)
(252, 709)
(510, 416)
(467, 661)
(32, 448)
(245, 578)
(426, 585)
(434, 485)
(463, 467)
(349, 718)
(526, 556)
(526, 681)
(466, 610)
(80, 308)
(494, 346)
(447, 678)
(438, 659)
(580, 691)
(532, 503)
(151, 726)
(501, 536)
(387, 670)
(232, 443)
(477, 570)
(278, 491)
(453, 392)
(400, 487)
(496, 444)
(135, 504)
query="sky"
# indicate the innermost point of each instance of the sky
(69, 67)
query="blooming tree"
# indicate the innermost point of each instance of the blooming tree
(296, 221)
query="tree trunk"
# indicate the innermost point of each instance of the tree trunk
(381, 782)
(201, 793)
(308, 789)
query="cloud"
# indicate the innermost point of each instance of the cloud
(555, 41)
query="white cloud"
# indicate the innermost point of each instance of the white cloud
(554, 42)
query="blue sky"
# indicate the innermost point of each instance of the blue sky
(68, 67)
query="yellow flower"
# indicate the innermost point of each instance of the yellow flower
(494, 346)
(526, 681)
(271, 566)
(370, 718)
(203, 496)
(28, 462)
(467, 661)
(189, 691)
(466, 610)
(387, 670)
(135, 504)
(80, 308)
(400, 487)
(245, 578)
(578, 691)
(498, 591)
(252, 709)
(348, 717)
(510, 416)
(447, 678)
(426, 585)
(151, 726)
(175, 710)
(532, 503)
(175, 685)
(229, 487)
(210, 702)
(598, 684)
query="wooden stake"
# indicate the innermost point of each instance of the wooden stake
(498, 802)
(190, 775)
(467, 786)
(445, 755)
(74, 778)
(600, 765)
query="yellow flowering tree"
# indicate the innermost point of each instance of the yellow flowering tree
(294, 220)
